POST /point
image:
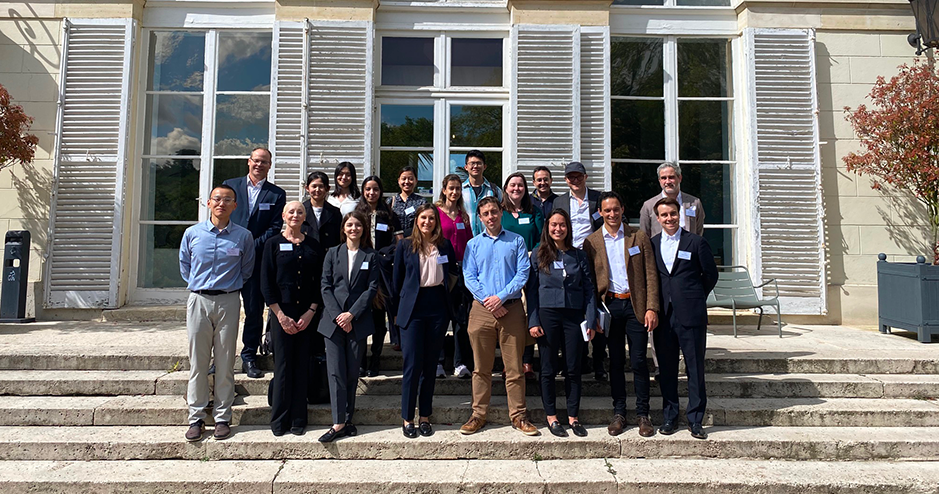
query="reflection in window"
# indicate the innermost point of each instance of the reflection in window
(476, 62)
(241, 123)
(704, 68)
(174, 124)
(392, 162)
(407, 139)
(476, 127)
(159, 256)
(638, 129)
(170, 189)
(177, 61)
(704, 130)
(224, 169)
(636, 67)
(244, 61)
(407, 61)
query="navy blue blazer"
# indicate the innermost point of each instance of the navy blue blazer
(407, 278)
(686, 288)
(266, 219)
(342, 293)
(557, 291)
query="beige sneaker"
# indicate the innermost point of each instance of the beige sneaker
(472, 425)
(525, 426)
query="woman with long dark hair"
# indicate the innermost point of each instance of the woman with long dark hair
(346, 194)
(456, 226)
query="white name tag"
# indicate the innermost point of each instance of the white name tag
(558, 264)
(596, 215)
(381, 227)
(364, 265)
(264, 206)
(442, 260)
(524, 221)
(286, 247)
(460, 226)
(634, 251)
(684, 254)
(234, 251)
(410, 210)
(689, 212)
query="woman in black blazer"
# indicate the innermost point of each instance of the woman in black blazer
(422, 268)
(322, 218)
(349, 284)
(291, 266)
(560, 291)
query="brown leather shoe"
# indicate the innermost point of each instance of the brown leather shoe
(645, 427)
(617, 425)
(529, 371)
(472, 425)
(525, 427)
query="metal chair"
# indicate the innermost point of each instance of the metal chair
(735, 290)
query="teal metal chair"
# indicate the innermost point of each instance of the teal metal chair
(735, 290)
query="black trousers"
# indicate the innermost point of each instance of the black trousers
(378, 340)
(561, 332)
(343, 354)
(291, 372)
(254, 310)
(625, 328)
(421, 342)
(670, 338)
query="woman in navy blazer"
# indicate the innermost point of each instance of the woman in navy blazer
(560, 291)
(422, 268)
(349, 284)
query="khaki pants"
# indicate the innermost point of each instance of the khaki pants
(212, 325)
(509, 332)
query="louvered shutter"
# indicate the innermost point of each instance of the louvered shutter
(84, 258)
(788, 219)
(340, 95)
(545, 96)
(595, 106)
(289, 107)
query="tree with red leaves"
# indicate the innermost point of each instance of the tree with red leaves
(17, 145)
(900, 137)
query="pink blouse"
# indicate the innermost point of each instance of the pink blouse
(457, 232)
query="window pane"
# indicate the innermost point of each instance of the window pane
(476, 62)
(476, 126)
(704, 130)
(721, 241)
(393, 161)
(241, 123)
(637, 183)
(638, 2)
(708, 3)
(493, 172)
(159, 256)
(170, 189)
(407, 61)
(177, 60)
(407, 125)
(638, 129)
(244, 61)
(704, 68)
(636, 67)
(229, 168)
(174, 124)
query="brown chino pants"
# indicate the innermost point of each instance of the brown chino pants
(509, 332)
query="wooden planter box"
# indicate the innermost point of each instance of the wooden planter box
(908, 297)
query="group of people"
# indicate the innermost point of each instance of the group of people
(504, 267)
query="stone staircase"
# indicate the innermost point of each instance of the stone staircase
(109, 419)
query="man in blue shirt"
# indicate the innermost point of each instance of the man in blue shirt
(215, 259)
(495, 268)
(477, 187)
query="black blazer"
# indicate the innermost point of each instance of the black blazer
(266, 219)
(563, 201)
(326, 230)
(554, 290)
(340, 294)
(686, 288)
(407, 278)
(290, 274)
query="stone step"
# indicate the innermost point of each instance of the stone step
(386, 410)
(595, 475)
(491, 443)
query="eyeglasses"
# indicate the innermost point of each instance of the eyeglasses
(223, 200)
(474, 164)
(259, 162)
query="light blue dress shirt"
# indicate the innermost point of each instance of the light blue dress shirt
(496, 266)
(213, 259)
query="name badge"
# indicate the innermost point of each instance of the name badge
(381, 227)
(410, 210)
(524, 221)
(684, 254)
(364, 265)
(460, 226)
(286, 247)
(264, 206)
(634, 251)
(596, 215)
(233, 251)
(690, 212)
(558, 264)
(442, 260)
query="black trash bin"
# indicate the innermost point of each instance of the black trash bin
(15, 274)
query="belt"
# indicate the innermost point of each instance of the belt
(621, 296)
(214, 292)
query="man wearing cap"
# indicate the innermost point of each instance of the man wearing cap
(691, 215)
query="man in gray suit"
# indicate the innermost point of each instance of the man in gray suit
(692, 212)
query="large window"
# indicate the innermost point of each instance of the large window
(207, 103)
(672, 100)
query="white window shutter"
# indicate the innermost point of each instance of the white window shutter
(545, 96)
(595, 106)
(289, 107)
(340, 95)
(788, 234)
(84, 248)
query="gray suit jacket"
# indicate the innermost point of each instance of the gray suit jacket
(693, 224)
(342, 294)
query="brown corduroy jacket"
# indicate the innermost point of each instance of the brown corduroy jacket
(640, 269)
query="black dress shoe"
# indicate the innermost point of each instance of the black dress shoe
(350, 429)
(600, 375)
(371, 373)
(277, 433)
(298, 431)
(332, 434)
(252, 370)
(409, 430)
(557, 429)
(425, 429)
(578, 429)
(668, 428)
(697, 431)
(361, 371)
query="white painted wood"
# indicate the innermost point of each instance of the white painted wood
(289, 90)
(685, 21)
(595, 106)
(209, 15)
(84, 248)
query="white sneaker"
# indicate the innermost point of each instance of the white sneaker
(440, 371)
(461, 372)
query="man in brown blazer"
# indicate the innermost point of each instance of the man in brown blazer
(628, 284)
(691, 215)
